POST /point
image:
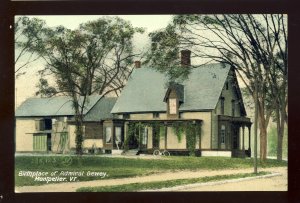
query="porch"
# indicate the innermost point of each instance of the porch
(149, 135)
(236, 129)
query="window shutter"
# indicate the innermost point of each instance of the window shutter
(39, 125)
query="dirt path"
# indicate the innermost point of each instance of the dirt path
(71, 187)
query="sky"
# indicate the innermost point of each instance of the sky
(25, 85)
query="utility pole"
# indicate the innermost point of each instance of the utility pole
(255, 125)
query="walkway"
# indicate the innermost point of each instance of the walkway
(72, 186)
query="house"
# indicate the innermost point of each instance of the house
(204, 114)
(47, 124)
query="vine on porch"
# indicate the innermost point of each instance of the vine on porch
(191, 130)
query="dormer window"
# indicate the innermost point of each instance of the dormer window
(172, 106)
(174, 97)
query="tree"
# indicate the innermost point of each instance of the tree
(94, 59)
(249, 43)
(27, 34)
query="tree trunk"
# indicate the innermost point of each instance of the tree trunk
(263, 143)
(280, 131)
(78, 124)
(263, 134)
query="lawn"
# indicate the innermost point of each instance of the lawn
(124, 167)
(133, 187)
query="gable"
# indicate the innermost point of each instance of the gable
(101, 110)
(146, 89)
(232, 94)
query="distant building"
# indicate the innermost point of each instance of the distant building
(47, 124)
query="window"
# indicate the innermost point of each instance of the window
(223, 134)
(172, 106)
(118, 134)
(226, 84)
(155, 115)
(126, 116)
(233, 107)
(145, 136)
(39, 125)
(48, 124)
(222, 105)
(108, 135)
(43, 124)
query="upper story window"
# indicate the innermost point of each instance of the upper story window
(222, 105)
(233, 107)
(155, 115)
(126, 116)
(226, 84)
(43, 124)
(172, 106)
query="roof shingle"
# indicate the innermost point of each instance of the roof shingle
(54, 106)
(146, 89)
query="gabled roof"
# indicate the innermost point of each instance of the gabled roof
(101, 110)
(54, 106)
(146, 89)
(179, 89)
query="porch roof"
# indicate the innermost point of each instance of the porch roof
(165, 120)
(241, 120)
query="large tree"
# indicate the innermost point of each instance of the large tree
(96, 58)
(255, 45)
(27, 34)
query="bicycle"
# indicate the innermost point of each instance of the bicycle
(161, 152)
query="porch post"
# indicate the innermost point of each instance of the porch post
(249, 129)
(166, 132)
(243, 128)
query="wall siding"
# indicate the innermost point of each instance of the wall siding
(229, 95)
(24, 134)
(205, 128)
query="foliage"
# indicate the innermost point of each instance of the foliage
(191, 130)
(27, 34)
(272, 143)
(166, 184)
(44, 89)
(179, 129)
(126, 167)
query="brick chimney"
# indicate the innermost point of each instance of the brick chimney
(185, 58)
(137, 64)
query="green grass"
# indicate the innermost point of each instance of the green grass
(124, 167)
(165, 184)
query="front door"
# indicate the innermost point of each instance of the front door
(235, 138)
(155, 137)
(49, 145)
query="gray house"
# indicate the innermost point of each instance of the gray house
(47, 124)
(210, 99)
